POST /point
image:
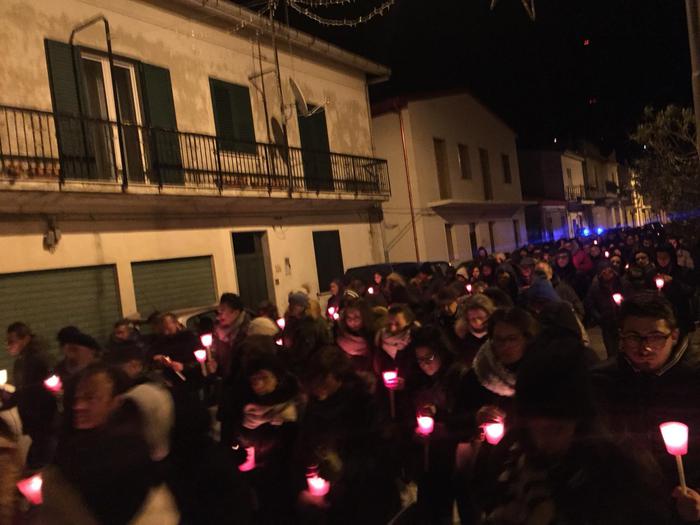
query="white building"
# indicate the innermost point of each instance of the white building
(165, 168)
(454, 177)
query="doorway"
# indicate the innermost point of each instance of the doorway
(250, 254)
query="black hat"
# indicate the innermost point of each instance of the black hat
(233, 301)
(72, 335)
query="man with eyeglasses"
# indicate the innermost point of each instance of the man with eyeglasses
(654, 379)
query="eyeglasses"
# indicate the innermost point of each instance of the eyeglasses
(654, 340)
(425, 360)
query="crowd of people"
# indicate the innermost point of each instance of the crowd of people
(474, 396)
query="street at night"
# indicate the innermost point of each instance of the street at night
(328, 262)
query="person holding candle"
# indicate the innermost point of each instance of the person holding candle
(36, 406)
(336, 299)
(437, 393)
(304, 331)
(676, 284)
(601, 307)
(173, 353)
(555, 464)
(230, 330)
(654, 379)
(340, 438)
(267, 422)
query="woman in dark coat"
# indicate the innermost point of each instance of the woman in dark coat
(340, 441)
(437, 392)
(353, 334)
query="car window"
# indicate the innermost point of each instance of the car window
(202, 322)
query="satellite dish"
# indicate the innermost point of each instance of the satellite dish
(299, 99)
(279, 138)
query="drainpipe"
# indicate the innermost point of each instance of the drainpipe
(408, 182)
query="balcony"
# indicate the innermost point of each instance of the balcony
(575, 193)
(43, 147)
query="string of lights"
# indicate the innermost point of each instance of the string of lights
(324, 3)
(377, 11)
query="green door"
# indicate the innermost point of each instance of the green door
(250, 267)
(315, 151)
(172, 284)
(49, 300)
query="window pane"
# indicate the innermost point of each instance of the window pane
(486, 173)
(506, 169)
(464, 163)
(443, 173)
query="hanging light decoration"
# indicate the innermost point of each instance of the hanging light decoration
(302, 6)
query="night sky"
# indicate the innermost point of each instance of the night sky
(539, 76)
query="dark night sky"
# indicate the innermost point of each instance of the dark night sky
(538, 75)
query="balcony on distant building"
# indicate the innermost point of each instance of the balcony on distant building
(46, 147)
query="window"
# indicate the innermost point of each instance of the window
(464, 162)
(474, 245)
(507, 177)
(329, 257)
(491, 237)
(443, 172)
(486, 173)
(450, 244)
(516, 232)
(233, 116)
(569, 178)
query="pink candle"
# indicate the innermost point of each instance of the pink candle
(659, 283)
(317, 485)
(201, 357)
(607, 254)
(370, 290)
(391, 379)
(279, 342)
(31, 489)
(249, 463)
(494, 432)
(53, 384)
(469, 288)
(336, 316)
(426, 425)
(617, 297)
(281, 323)
(675, 437)
(331, 311)
(206, 339)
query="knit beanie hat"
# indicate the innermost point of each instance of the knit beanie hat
(263, 326)
(542, 290)
(299, 299)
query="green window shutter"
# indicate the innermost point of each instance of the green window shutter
(233, 116)
(159, 108)
(172, 284)
(75, 152)
(48, 300)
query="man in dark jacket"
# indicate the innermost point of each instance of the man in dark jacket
(36, 406)
(654, 379)
(231, 328)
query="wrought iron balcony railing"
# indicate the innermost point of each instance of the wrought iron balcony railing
(575, 193)
(40, 145)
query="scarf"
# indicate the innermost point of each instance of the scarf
(353, 345)
(492, 374)
(255, 415)
(392, 344)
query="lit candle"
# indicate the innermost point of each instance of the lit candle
(469, 288)
(336, 316)
(391, 381)
(53, 384)
(249, 463)
(595, 242)
(206, 339)
(331, 311)
(201, 357)
(370, 290)
(493, 432)
(659, 281)
(31, 489)
(3, 377)
(317, 485)
(281, 323)
(607, 254)
(279, 342)
(675, 436)
(617, 297)
(426, 425)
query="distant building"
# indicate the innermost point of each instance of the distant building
(575, 190)
(159, 177)
(454, 163)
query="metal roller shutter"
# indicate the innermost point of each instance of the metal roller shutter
(49, 300)
(172, 284)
